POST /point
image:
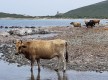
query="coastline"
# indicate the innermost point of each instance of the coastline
(87, 48)
(10, 18)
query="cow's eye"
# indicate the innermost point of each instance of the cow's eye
(24, 46)
(19, 48)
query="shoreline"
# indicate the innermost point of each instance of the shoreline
(87, 48)
(9, 18)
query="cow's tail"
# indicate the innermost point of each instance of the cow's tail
(66, 57)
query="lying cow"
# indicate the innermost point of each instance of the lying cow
(76, 24)
(43, 49)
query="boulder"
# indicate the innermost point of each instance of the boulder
(4, 34)
(27, 31)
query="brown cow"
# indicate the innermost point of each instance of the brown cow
(76, 24)
(43, 49)
(93, 20)
(96, 21)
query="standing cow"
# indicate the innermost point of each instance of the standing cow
(93, 20)
(76, 24)
(43, 49)
(96, 21)
(91, 23)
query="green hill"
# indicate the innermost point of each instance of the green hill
(98, 10)
(5, 15)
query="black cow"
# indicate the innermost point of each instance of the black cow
(91, 23)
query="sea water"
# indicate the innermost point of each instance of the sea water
(42, 22)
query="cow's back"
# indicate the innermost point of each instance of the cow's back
(77, 24)
(42, 49)
(45, 48)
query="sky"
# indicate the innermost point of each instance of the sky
(42, 7)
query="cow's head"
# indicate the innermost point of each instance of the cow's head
(71, 23)
(21, 47)
(19, 44)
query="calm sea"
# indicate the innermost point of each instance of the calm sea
(41, 22)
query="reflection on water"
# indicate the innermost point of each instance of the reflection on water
(12, 72)
(59, 76)
(62, 76)
(38, 76)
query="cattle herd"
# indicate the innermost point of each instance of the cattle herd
(90, 23)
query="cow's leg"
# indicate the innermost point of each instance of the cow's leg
(64, 62)
(38, 62)
(58, 63)
(32, 64)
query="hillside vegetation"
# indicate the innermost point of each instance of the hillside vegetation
(98, 10)
(5, 15)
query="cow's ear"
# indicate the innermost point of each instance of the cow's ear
(24, 46)
(20, 41)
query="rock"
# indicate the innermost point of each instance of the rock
(20, 32)
(42, 31)
(27, 31)
(5, 34)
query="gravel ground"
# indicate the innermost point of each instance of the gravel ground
(87, 48)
